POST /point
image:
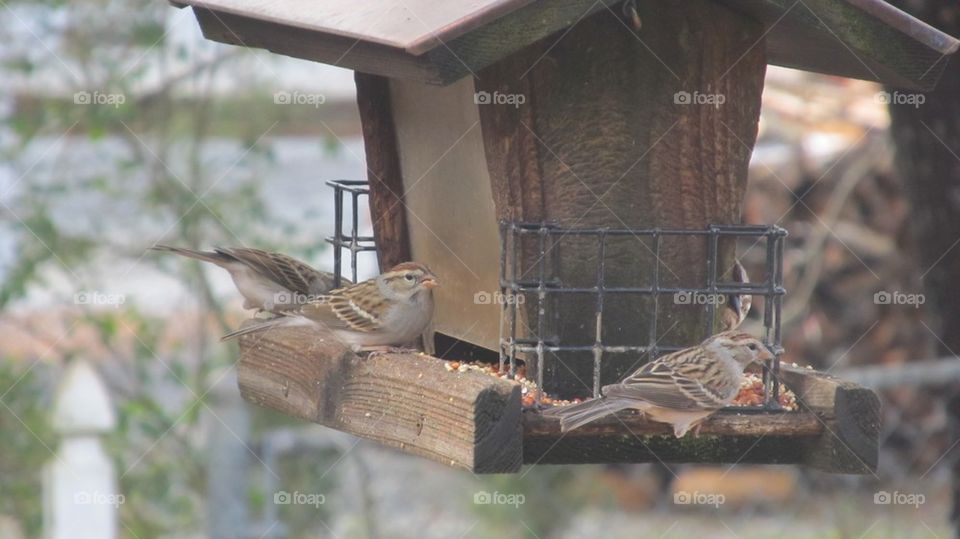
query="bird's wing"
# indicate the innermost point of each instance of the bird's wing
(206, 256)
(673, 381)
(284, 270)
(353, 308)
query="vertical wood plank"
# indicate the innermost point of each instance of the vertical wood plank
(383, 169)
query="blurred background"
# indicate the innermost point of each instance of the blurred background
(121, 127)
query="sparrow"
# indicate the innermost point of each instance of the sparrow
(681, 388)
(267, 281)
(388, 311)
(737, 306)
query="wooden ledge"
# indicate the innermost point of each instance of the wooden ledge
(407, 401)
(723, 423)
(836, 430)
(475, 421)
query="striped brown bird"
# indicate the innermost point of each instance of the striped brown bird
(738, 305)
(267, 281)
(682, 388)
(390, 310)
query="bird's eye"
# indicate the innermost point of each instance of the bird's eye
(409, 277)
(752, 346)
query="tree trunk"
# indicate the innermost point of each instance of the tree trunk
(927, 139)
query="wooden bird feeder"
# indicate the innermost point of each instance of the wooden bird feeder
(637, 114)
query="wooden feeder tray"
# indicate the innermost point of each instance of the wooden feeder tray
(475, 421)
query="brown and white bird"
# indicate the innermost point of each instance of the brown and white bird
(681, 388)
(267, 281)
(738, 305)
(390, 310)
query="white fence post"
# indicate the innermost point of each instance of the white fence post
(228, 471)
(80, 493)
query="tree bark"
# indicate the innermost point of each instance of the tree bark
(927, 139)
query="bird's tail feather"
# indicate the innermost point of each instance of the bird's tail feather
(271, 323)
(206, 256)
(578, 415)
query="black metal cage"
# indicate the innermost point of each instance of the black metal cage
(353, 242)
(540, 282)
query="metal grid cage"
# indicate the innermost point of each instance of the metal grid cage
(547, 288)
(352, 242)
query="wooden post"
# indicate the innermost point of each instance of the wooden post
(80, 484)
(383, 170)
(624, 130)
(410, 402)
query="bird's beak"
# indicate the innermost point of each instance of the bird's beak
(766, 355)
(429, 282)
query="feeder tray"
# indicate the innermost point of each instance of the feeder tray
(476, 422)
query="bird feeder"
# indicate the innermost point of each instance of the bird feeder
(597, 115)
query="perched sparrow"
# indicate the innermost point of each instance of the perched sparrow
(268, 281)
(388, 311)
(681, 388)
(738, 305)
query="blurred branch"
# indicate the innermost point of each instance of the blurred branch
(172, 82)
(52, 342)
(943, 371)
(799, 300)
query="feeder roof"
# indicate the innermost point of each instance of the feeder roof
(441, 42)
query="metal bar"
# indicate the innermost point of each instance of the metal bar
(652, 340)
(598, 336)
(532, 286)
(504, 305)
(525, 228)
(513, 320)
(711, 281)
(777, 311)
(541, 297)
(338, 234)
(533, 347)
(355, 218)
(770, 278)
